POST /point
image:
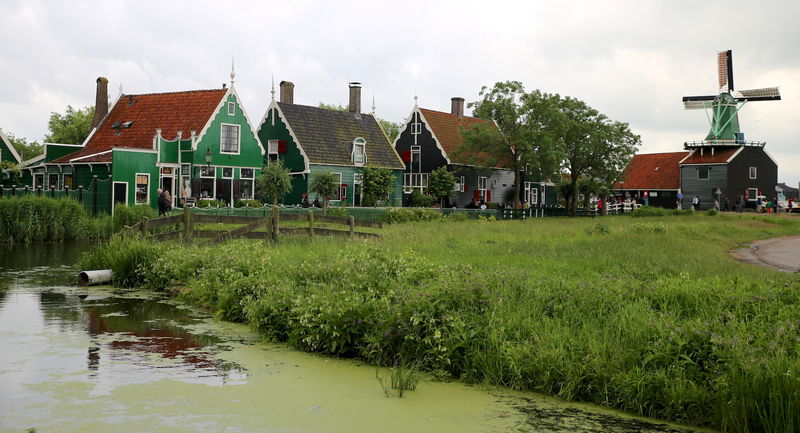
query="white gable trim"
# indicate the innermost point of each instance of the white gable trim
(89, 156)
(210, 120)
(10, 147)
(274, 105)
(735, 154)
(33, 160)
(247, 118)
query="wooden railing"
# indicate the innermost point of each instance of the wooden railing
(249, 225)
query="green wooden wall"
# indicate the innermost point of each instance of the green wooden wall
(293, 158)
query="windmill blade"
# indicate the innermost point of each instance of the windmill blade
(725, 70)
(771, 93)
(697, 104)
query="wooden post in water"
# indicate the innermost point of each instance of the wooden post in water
(187, 224)
(351, 221)
(145, 227)
(311, 223)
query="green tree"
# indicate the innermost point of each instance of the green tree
(441, 183)
(72, 127)
(377, 183)
(522, 138)
(591, 145)
(275, 181)
(25, 149)
(11, 169)
(325, 185)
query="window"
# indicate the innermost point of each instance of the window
(38, 181)
(702, 173)
(227, 173)
(246, 173)
(229, 138)
(482, 187)
(67, 183)
(167, 170)
(207, 171)
(359, 151)
(752, 194)
(412, 181)
(52, 181)
(416, 128)
(246, 189)
(207, 175)
(342, 192)
(273, 149)
(142, 188)
(416, 159)
(753, 173)
(231, 108)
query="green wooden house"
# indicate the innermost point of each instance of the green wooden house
(198, 145)
(311, 140)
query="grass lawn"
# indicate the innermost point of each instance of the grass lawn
(650, 315)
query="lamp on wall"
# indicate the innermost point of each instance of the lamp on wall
(208, 158)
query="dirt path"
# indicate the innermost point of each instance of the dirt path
(777, 253)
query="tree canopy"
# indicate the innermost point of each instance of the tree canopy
(441, 183)
(275, 181)
(26, 150)
(522, 138)
(377, 183)
(325, 185)
(72, 127)
(545, 134)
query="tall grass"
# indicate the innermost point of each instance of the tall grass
(125, 215)
(653, 318)
(130, 259)
(31, 218)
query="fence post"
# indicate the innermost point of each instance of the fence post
(187, 224)
(351, 221)
(94, 197)
(145, 227)
(311, 223)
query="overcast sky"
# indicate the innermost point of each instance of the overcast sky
(632, 60)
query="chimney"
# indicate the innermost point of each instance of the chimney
(287, 92)
(355, 98)
(100, 101)
(457, 106)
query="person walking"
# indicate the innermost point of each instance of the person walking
(160, 202)
(695, 203)
(741, 204)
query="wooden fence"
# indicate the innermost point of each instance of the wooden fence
(249, 224)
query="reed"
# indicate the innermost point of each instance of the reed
(31, 218)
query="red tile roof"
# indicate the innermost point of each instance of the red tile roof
(721, 155)
(171, 112)
(652, 171)
(446, 128)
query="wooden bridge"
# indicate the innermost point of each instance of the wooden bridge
(185, 226)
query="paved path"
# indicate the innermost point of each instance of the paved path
(779, 253)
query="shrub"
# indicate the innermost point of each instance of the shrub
(598, 229)
(419, 199)
(404, 215)
(457, 216)
(125, 215)
(248, 203)
(648, 211)
(711, 212)
(337, 211)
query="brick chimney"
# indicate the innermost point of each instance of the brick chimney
(457, 106)
(100, 101)
(355, 98)
(287, 92)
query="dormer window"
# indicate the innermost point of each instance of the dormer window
(359, 151)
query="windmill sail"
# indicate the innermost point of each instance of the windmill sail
(725, 70)
(767, 93)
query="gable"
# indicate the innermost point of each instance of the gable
(446, 127)
(250, 151)
(325, 136)
(7, 150)
(431, 153)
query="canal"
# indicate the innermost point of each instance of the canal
(103, 360)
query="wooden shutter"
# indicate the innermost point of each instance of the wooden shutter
(344, 191)
(476, 194)
(406, 156)
(281, 146)
(488, 195)
(195, 187)
(237, 187)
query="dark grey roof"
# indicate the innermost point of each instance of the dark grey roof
(326, 135)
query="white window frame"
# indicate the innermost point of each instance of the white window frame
(339, 190)
(231, 108)
(362, 144)
(114, 196)
(753, 173)
(412, 181)
(418, 160)
(38, 184)
(273, 146)
(482, 191)
(416, 128)
(136, 187)
(252, 173)
(238, 139)
(47, 178)
(708, 173)
(222, 174)
(212, 169)
(754, 196)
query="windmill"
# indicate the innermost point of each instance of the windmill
(724, 108)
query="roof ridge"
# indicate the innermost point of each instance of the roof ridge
(451, 114)
(173, 93)
(323, 109)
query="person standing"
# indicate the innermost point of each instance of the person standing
(695, 203)
(741, 203)
(160, 201)
(759, 204)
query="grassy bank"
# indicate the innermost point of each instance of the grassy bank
(31, 218)
(649, 315)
